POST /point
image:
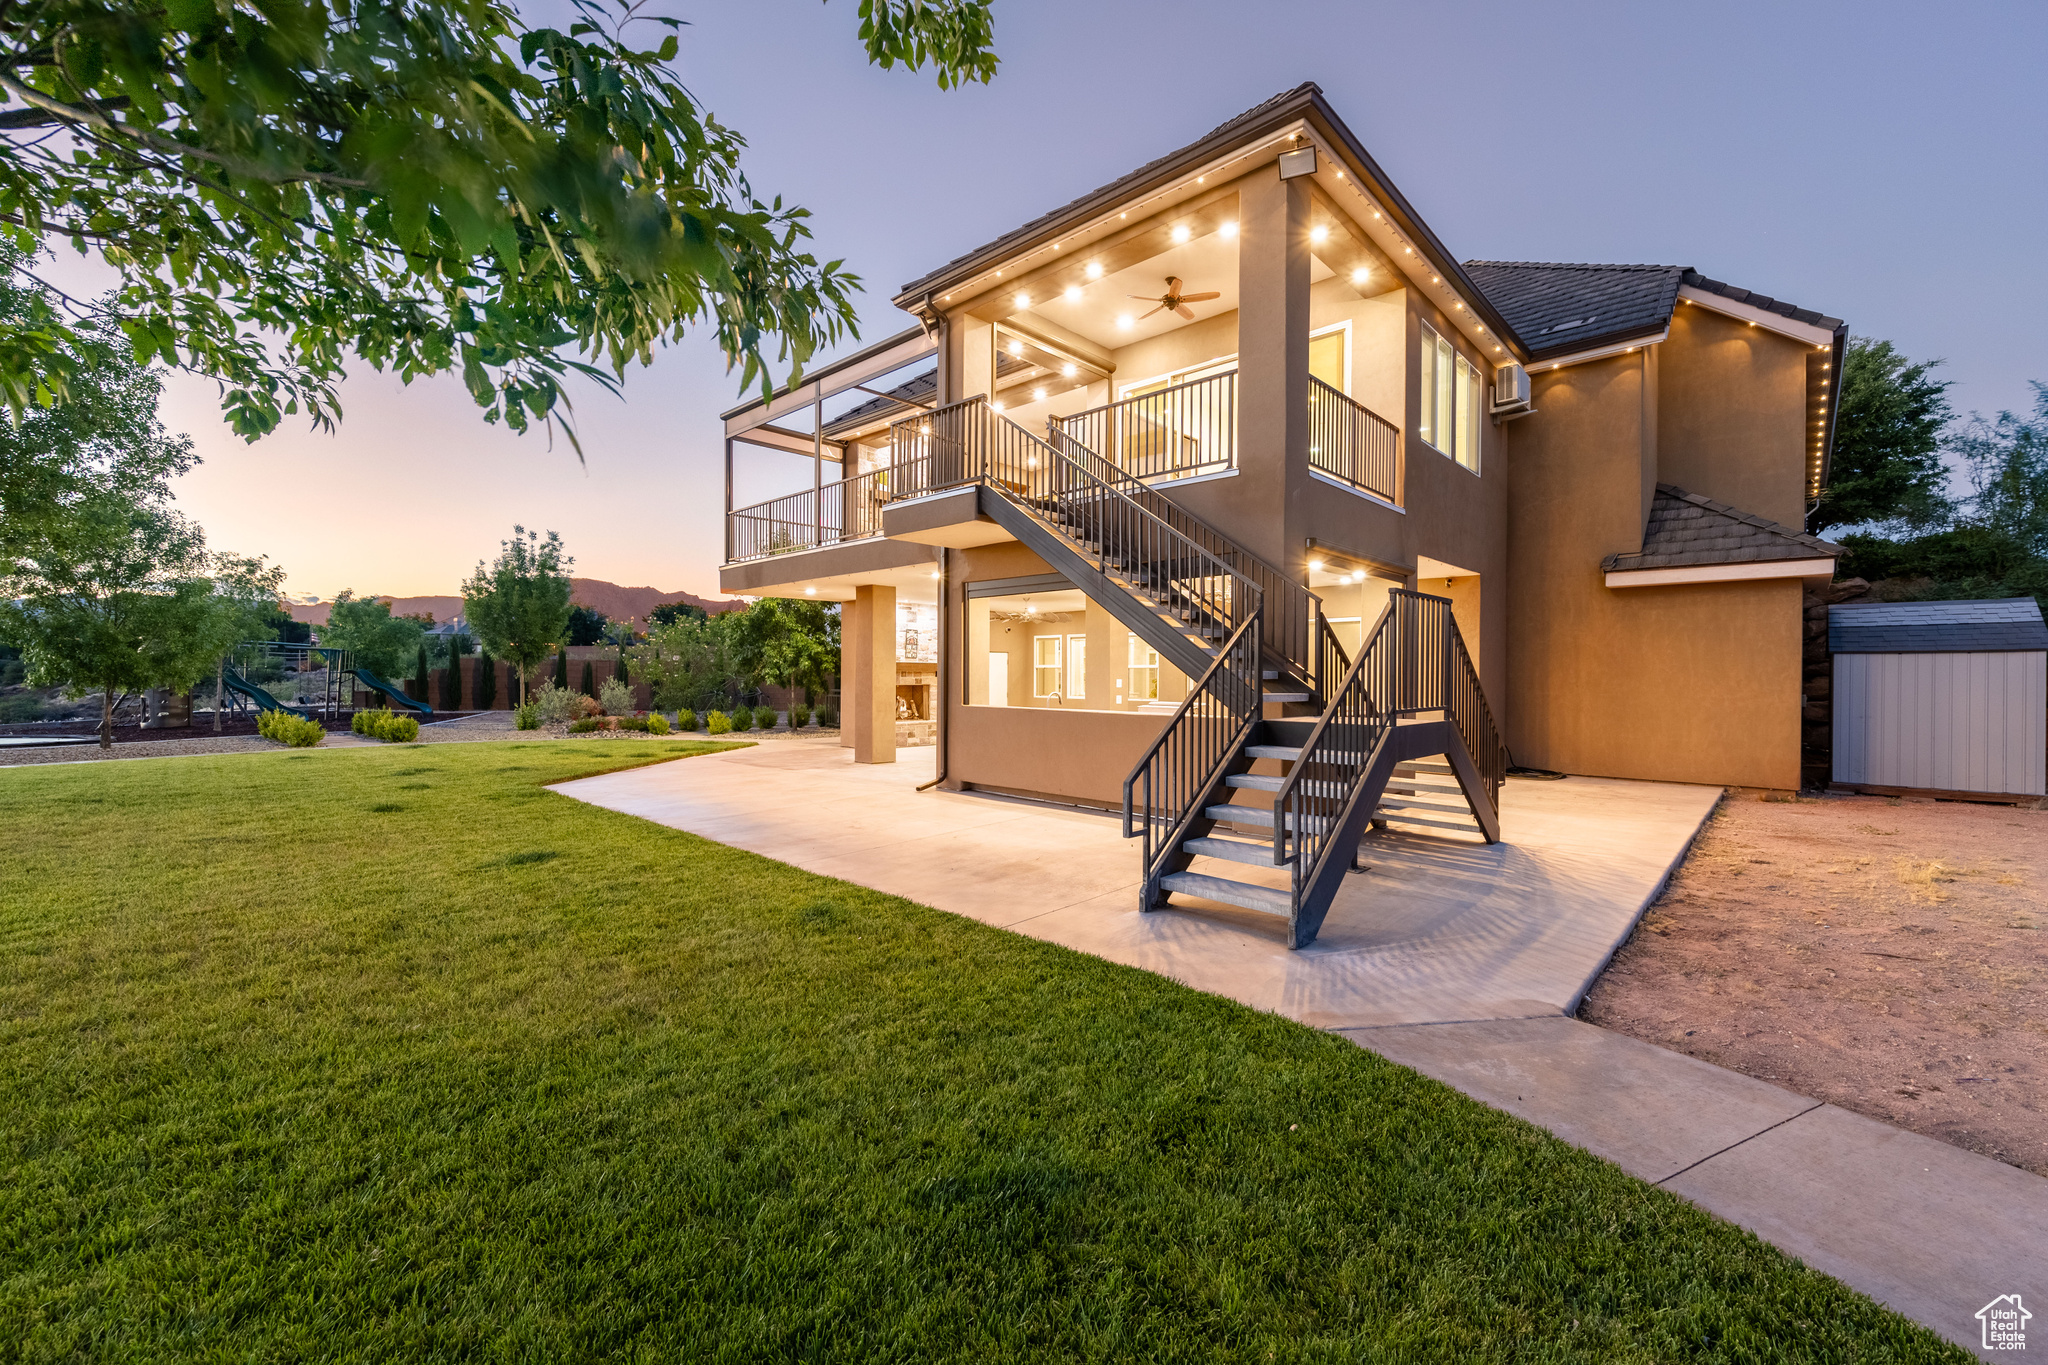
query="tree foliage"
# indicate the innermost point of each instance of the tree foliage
(375, 639)
(586, 625)
(519, 604)
(1887, 466)
(782, 640)
(429, 185)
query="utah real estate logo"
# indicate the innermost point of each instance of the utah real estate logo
(2005, 1323)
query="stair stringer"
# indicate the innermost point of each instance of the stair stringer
(1474, 787)
(1112, 596)
(1400, 744)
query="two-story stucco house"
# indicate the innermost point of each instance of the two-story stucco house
(1227, 496)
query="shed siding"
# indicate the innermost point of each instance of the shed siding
(1946, 722)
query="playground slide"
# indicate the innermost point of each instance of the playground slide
(377, 684)
(263, 699)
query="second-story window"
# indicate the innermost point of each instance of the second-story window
(1448, 418)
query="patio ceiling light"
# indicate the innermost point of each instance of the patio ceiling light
(1094, 270)
(1315, 566)
(810, 592)
(997, 405)
(1123, 320)
(1073, 294)
(1023, 300)
(1180, 232)
(1038, 395)
(1068, 371)
(1319, 234)
(1229, 230)
(1360, 275)
(1016, 348)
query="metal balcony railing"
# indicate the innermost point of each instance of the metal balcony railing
(844, 510)
(1171, 433)
(1350, 442)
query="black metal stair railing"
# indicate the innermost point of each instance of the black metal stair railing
(1171, 782)
(1291, 610)
(1465, 702)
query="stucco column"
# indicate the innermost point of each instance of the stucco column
(871, 660)
(1272, 366)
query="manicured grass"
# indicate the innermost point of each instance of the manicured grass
(393, 1055)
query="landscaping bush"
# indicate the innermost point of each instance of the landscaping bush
(16, 709)
(586, 724)
(764, 718)
(742, 718)
(555, 705)
(657, 723)
(283, 727)
(828, 716)
(686, 719)
(589, 687)
(526, 718)
(615, 697)
(385, 725)
(799, 716)
(717, 723)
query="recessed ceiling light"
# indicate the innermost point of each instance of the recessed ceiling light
(997, 405)
(1038, 395)
(1201, 180)
(1016, 348)
(1315, 566)
(1180, 232)
(1123, 320)
(1073, 294)
(1068, 370)
(1318, 233)
(1023, 300)
(1359, 275)
(810, 592)
(1094, 271)
(1229, 229)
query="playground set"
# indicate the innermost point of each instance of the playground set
(340, 679)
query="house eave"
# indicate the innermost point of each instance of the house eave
(1748, 571)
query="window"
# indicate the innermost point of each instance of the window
(1045, 665)
(1077, 667)
(1450, 393)
(1144, 669)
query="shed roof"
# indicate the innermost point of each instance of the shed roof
(2008, 625)
(1687, 530)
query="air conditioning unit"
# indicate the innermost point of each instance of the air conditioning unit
(1511, 392)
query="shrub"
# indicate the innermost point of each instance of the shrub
(799, 715)
(384, 725)
(586, 724)
(764, 718)
(589, 687)
(554, 705)
(828, 716)
(20, 708)
(717, 723)
(657, 723)
(615, 697)
(526, 718)
(686, 719)
(285, 728)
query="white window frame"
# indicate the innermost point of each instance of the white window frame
(1058, 666)
(1074, 668)
(1466, 421)
(1142, 665)
(1186, 374)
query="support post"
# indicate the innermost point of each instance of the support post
(818, 470)
(728, 500)
(872, 712)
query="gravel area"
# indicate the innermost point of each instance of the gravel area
(1888, 955)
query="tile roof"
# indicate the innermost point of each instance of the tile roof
(1973, 626)
(1559, 308)
(1687, 530)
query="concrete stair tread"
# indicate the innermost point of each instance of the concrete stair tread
(1286, 753)
(1465, 826)
(1265, 899)
(1234, 850)
(1436, 807)
(1259, 817)
(1288, 696)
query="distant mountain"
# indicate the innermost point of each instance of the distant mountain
(614, 601)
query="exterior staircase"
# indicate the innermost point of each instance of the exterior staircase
(1285, 751)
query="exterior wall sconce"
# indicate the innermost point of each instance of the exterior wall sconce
(1297, 163)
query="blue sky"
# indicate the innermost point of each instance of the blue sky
(1884, 163)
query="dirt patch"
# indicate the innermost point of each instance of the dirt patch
(1889, 956)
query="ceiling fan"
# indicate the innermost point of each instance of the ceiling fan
(1175, 300)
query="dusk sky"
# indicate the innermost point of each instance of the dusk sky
(1880, 162)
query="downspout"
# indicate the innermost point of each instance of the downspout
(945, 659)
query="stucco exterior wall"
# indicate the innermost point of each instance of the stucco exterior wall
(1698, 683)
(1731, 417)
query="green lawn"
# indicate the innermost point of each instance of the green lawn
(391, 1054)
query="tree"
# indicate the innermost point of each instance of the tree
(286, 627)
(670, 612)
(589, 686)
(486, 681)
(562, 663)
(2006, 461)
(451, 681)
(364, 626)
(129, 598)
(689, 663)
(429, 187)
(419, 675)
(586, 625)
(520, 604)
(795, 643)
(1887, 465)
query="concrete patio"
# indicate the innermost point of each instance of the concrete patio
(1462, 960)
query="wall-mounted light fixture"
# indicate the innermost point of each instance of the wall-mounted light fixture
(1298, 163)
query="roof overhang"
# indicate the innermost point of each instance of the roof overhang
(1759, 317)
(1301, 118)
(1746, 572)
(889, 354)
(1620, 346)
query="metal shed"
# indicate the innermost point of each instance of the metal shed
(1942, 698)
